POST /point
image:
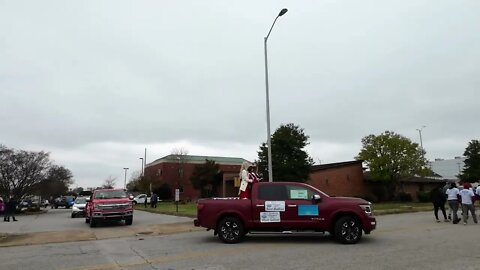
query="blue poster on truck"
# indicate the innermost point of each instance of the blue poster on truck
(308, 210)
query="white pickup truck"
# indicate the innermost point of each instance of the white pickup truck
(140, 199)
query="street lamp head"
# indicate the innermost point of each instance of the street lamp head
(282, 12)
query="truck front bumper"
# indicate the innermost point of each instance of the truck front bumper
(112, 215)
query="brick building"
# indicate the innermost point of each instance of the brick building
(340, 179)
(176, 170)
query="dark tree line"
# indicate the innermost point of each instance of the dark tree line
(31, 173)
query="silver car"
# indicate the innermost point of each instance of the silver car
(78, 208)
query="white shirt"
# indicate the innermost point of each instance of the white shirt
(467, 195)
(478, 190)
(452, 194)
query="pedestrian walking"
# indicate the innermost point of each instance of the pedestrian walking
(467, 203)
(452, 199)
(438, 199)
(154, 200)
(10, 208)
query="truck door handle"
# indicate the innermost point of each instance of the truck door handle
(259, 205)
(292, 205)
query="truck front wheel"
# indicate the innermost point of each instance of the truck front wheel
(129, 221)
(230, 230)
(93, 223)
(348, 230)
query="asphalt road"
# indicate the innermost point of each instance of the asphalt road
(403, 241)
(60, 220)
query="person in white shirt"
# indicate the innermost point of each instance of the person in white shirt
(467, 203)
(452, 200)
(246, 182)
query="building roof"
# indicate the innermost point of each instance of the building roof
(334, 165)
(198, 159)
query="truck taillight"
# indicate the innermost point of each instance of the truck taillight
(200, 206)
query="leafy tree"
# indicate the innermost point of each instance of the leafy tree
(390, 157)
(56, 183)
(21, 171)
(471, 170)
(164, 191)
(290, 162)
(206, 178)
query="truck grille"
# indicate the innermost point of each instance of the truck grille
(113, 206)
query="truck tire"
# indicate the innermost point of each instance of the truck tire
(129, 221)
(348, 230)
(93, 223)
(230, 230)
(134, 202)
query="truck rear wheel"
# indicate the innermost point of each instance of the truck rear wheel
(230, 230)
(348, 230)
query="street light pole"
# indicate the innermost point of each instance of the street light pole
(142, 167)
(421, 142)
(125, 184)
(269, 139)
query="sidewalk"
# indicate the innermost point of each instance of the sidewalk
(8, 240)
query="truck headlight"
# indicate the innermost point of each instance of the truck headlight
(367, 208)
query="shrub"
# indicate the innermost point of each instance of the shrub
(423, 196)
(404, 197)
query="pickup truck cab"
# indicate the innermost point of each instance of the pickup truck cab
(109, 204)
(286, 206)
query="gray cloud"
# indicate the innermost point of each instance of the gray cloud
(94, 83)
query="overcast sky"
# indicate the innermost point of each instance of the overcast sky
(96, 82)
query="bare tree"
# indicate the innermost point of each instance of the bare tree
(109, 182)
(21, 171)
(181, 155)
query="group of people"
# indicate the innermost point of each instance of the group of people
(248, 176)
(7, 209)
(458, 198)
(153, 201)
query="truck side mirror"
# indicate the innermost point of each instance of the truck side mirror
(316, 198)
(87, 199)
(131, 198)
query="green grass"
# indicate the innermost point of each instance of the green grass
(169, 208)
(190, 209)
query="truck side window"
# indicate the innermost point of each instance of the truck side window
(299, 193)
(272, 192)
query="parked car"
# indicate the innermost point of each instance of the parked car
(109, 204)
(78, 208)
(286, 206)
(63, 201)
(140, 199)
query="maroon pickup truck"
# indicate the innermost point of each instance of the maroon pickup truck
(109, 204)
(286, 206)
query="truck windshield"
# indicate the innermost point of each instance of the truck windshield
(117, 194)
